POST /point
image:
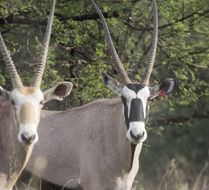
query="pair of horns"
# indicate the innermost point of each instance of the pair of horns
(16, 81)
(116, 60)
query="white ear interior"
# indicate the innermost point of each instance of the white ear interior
(59, 91)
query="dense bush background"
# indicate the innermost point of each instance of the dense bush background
(178, 126)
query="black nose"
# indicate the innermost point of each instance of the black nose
(136, 137)
(28, 139)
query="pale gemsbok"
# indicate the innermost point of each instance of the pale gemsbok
(20, 115)
(86, 147)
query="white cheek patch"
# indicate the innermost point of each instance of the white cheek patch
(137, 129)
(129, 108)
(144, 94)
(128, 94)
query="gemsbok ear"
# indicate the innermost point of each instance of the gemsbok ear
(112, 84)
(164, 88)
(4, 93)
(58, 92)
(4, 98)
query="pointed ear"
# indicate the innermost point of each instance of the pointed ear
(112, 84)
(4, 98)
(164, 88)
(58, 92)
(4, 93)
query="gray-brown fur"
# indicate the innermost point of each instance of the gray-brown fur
(87, 144)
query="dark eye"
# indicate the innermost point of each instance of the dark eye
(42, 102)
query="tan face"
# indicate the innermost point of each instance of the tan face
(27, 103)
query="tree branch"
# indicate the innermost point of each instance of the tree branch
(141, 28)
(94, 16)
(24, 18)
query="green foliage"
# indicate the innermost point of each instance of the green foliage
(78, 53)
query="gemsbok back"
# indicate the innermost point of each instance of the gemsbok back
(87, 147)
(20, 112)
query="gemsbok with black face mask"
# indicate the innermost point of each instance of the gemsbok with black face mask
(90, 150)
(20, 113)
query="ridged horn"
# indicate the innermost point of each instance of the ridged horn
(16, 81)
(152, 52)
(45, 47)
(116, 60)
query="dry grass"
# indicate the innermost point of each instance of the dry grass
(174, 178)
(179, 179)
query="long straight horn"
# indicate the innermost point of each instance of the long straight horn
(117, 62)
(152, 53)
(16, 81)
(45, 47)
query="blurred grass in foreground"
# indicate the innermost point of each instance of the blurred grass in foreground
(174, 178)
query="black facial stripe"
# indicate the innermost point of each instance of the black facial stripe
(135, 87)
(137, 111)
(147, 110)
(125, 111)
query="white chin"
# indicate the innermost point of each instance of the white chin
(137, 128)
(132, 140)
(141, 140)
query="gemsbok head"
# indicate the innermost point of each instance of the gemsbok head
(135, 95)
(27, 101)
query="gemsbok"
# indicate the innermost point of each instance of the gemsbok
(86, 147)
(20, 112)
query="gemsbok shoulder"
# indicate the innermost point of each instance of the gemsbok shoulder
(20, 112)
(90, 150)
